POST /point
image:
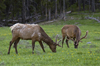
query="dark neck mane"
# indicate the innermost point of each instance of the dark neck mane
(48, 41)
(46, 38)
(77, 35)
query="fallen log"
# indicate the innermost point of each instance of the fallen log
(93, 19)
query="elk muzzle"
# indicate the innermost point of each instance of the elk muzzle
(75, 46)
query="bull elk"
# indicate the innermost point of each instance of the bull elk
(72, 32)
(31, 32)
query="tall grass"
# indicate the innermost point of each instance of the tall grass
(87, 54)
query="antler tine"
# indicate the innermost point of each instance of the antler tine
(59, 41)
(56, 37)
(85, 35)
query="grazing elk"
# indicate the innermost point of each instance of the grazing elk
(31, 32)
(72, 32)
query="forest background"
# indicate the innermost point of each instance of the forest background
(36, 11)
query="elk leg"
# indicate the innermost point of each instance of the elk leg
(15, 42)
(15, 45)
(10, 47)
(11, 42)
(63, 41)
(41, 46)
(33, 46)
(67, 42)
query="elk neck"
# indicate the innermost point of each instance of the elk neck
(46, 38)
(77, 35)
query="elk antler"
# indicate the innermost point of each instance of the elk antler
(85, 35)
(56, 37)
(57, 43)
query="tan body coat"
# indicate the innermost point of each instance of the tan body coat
(71, 32)
(31, 32)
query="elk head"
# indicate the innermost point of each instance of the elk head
(53, 46)
(76, 42)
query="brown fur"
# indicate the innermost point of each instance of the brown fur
(30, 32)
(72, 32)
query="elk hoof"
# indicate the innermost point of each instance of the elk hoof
(8, 52)
(33, 52)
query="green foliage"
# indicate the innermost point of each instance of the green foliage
(44, 2)
(2, 8)
(73, 7)
(2, 5)
(13, 8)
(50, 4)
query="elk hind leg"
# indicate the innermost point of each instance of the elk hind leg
(10, 44)
(63, 40)
(67, 42)
(15, 45)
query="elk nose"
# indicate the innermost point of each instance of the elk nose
(76, 47)
(54, 51)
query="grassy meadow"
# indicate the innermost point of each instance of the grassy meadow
(87, 54)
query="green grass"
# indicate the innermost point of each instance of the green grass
(85, 55)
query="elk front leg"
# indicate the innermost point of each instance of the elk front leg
(33, 46)
(41, 45)
(67, 42)
(63, 40)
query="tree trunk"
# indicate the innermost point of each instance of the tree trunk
(84, 5)
(60, 7)
(27, 8)
(46, 11)
(89, 5)
(55, 9)
(64, 9)
(12, 13)
(0, 17)
(93, 5)
(79, 5)
(49, 11)
(23, 11)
